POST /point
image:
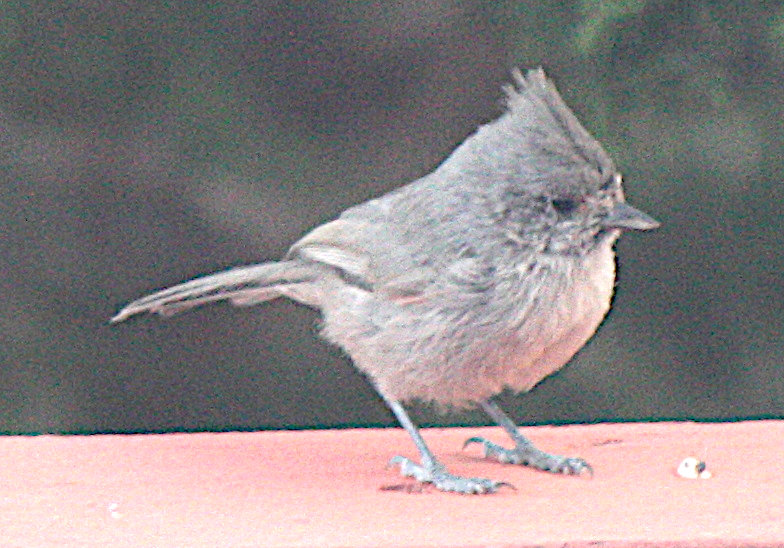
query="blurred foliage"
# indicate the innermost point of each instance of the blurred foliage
(147, 142)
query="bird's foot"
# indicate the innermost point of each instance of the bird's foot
(444, 481)
(528, 455)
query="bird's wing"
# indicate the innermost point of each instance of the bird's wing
(366, 254)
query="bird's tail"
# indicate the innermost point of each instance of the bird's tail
(245, 285)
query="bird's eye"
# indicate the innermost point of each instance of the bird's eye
(564, 206)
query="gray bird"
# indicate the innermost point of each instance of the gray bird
(489, 273)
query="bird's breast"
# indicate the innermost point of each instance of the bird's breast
(570, 304)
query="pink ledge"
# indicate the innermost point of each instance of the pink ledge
(332, 488)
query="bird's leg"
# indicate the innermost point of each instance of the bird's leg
(524, 451)
(429, 470)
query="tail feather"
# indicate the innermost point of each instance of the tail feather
(242, 286)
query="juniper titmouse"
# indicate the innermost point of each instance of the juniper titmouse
(489, 273)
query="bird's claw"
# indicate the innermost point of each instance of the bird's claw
(528, 455)
(444, 481)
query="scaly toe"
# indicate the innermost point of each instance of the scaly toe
(573, 466)
(468, 486)
(528, 455)
(444, 481)
(410, 469)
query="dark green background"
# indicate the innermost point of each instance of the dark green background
(143, 143)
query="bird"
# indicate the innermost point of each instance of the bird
(487, 274)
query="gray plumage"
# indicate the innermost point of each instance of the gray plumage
(489, 273)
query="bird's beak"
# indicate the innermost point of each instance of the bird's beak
(624, 216)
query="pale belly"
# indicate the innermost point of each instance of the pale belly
(413, 358)
(557, 335)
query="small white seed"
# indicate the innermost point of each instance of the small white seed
(693, 468)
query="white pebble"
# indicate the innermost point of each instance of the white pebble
(693, 468)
